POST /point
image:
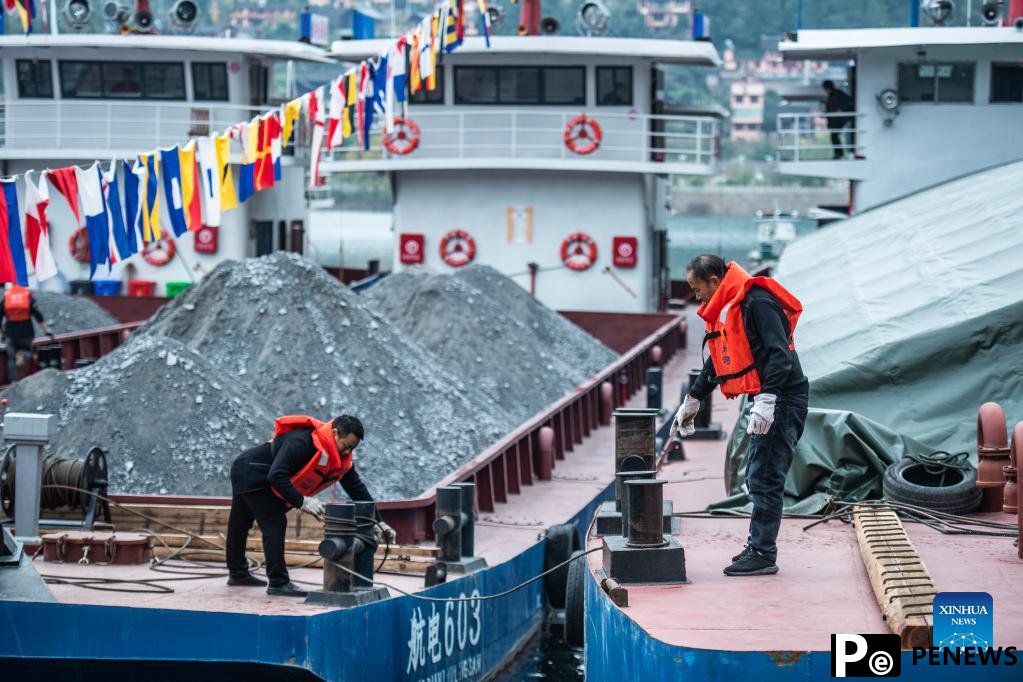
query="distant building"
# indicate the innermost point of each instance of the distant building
(246, 18)
(747, 104)
(663, 13)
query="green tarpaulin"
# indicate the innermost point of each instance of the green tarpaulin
(913, 317)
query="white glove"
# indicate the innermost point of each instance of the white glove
(685, 418)
(761, 416)
(312, 505)
(385, 532)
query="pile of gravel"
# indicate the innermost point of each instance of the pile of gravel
(67, 314)
(168, 421)
(492, 334)
(306, 344)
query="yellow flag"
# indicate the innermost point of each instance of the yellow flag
(151, 213)
(228, 198)
(190, 191)
(292, 110)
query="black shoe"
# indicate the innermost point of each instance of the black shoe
(288, 589)
(745, 551)
(752, 563)
(247, 580)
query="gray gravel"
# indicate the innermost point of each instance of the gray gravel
(491, 334)
(67, 314)
(205, 377)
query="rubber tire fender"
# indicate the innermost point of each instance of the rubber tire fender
(575, 595)
(960, 498)
(561, 541)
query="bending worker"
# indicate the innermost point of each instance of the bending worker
(17, 314)
(305, 457)
(750, 322)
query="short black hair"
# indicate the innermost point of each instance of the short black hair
(706, 266)
(347, 424)
(828, 85)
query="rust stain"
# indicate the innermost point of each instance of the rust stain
(785, 657)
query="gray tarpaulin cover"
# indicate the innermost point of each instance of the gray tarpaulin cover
(913, 317)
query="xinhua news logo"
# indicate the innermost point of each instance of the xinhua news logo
(866, 656)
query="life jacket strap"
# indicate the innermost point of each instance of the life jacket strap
(722, 378)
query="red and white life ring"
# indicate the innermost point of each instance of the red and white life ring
(403, 138)
(159, 252)
(78, 245)
(583, 134)
(457, 248)
(579, 251)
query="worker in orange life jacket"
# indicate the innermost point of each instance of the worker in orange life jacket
(749, 343)
(19, 309)
(304, 457)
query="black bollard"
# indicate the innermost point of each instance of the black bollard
(448, 524)
(647, 554)
(645, 502)
(468, 518)
(347, 549)
(654, 384)
(623, 477)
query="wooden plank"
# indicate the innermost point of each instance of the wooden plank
(397, 565)
(902, 585)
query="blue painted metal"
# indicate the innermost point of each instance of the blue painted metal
(617, 648)
(471, 638)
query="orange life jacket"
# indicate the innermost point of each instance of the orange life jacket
(325, 466)
(17, 303)
(726, 330)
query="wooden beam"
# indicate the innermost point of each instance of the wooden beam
(902, 585)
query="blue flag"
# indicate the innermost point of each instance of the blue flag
(171, 163)
(14, 232)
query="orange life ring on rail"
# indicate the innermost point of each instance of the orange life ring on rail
(583, 134)
(457, 248)
(403, 138)
(159, 252)
(78, 245)
(579, 251)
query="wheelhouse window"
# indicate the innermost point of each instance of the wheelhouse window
(614, 86)
(35, 78)
(1007, 83)
(209, 81)
(523, 85)
(939, 83)
(122, 80)
(435, 96)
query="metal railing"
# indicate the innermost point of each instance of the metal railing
(470, 133)
(819, 136)
(46, 126)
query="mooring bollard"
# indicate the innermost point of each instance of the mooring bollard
(992, 454)
(454, 528)
(622, 478)
(606, 402)
(347, 550)
(646, 497)
(546, 463)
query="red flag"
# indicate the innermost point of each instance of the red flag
(7, 271)
(66, 182)
(264, 160)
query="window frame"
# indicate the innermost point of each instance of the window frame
(991, 93)
(227, 82)
(33, 62)
(937, 82)
(499, 68)
(143, 97)
(596, 85)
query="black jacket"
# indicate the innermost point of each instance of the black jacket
(768, 332)
(837, 102)
(271, 465)
(22, 329)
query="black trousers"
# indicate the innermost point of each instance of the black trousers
(268, 510)
(16, 345)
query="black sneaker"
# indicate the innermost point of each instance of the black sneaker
(752, 563)
(247, 580)
(745, 550)
(288, 589)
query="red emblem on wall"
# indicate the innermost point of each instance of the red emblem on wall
(411, 246)
(206, 239)
(624, 252)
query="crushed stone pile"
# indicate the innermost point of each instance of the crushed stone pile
(492, 334)
(306, 344)
(67, 314)
(168, 421)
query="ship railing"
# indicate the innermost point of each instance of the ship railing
(46, 126)
(808, 136)
(488, 133)
(76, 348)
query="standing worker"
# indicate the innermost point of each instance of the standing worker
(18, 331)
(750, 322)
(304, 457)
(838, 101)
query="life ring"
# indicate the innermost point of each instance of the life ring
(403, 138)
(583, 134)
(579, 251)
(159, 252)
(457, 248)
(78, 245)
